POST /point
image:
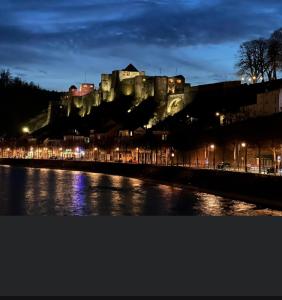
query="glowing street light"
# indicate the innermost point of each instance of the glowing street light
(217, 114)
(212, 147)
(25, 130)
(244, 146)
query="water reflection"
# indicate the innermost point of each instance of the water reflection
(64, 193)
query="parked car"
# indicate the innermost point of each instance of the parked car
(224, 166)
(70, 158)
(273, 171)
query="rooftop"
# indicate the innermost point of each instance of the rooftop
(130, 68)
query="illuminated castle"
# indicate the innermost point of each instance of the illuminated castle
(171, 93)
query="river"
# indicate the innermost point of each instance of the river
(43, 192)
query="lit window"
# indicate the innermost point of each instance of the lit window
(179, 81)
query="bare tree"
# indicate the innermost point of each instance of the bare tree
(275, 54)
(253, 59)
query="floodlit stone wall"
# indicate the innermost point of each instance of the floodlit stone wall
(175, 104)
(171, 93)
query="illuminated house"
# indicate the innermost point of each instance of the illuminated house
(85, 89)
(84, 99)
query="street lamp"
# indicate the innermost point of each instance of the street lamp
(213, 149)
(221, 117)
(138, 158)
(244, 146)
(279, 162)
(118, 150)
(96, 154)
(172, 158)
(25, 130)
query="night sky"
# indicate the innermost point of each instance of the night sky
(56, 43)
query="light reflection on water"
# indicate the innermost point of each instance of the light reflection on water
(65, 193)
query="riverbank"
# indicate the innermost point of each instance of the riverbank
(252, 188)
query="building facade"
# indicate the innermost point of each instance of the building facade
(267, 104)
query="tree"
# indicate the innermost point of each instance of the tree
(5, 78)
(275, 54)
(253, 59)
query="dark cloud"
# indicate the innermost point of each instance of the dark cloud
(40, 32)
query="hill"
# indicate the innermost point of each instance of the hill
(20, 101)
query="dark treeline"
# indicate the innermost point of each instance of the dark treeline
(20, 101)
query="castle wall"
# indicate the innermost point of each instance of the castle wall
(127, 75)
(140, 93)
(97, 98)
(106, 82)
(161, 87)
(128, 86)
(150, 86)
(171, 93)
(175, 104)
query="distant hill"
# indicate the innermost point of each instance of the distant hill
(20, 101)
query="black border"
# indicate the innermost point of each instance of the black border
(140, 256)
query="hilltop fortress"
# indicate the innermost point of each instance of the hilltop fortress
(171, 93)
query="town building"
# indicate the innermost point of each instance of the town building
(267, 104)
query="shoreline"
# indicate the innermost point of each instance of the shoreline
(214, 182)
